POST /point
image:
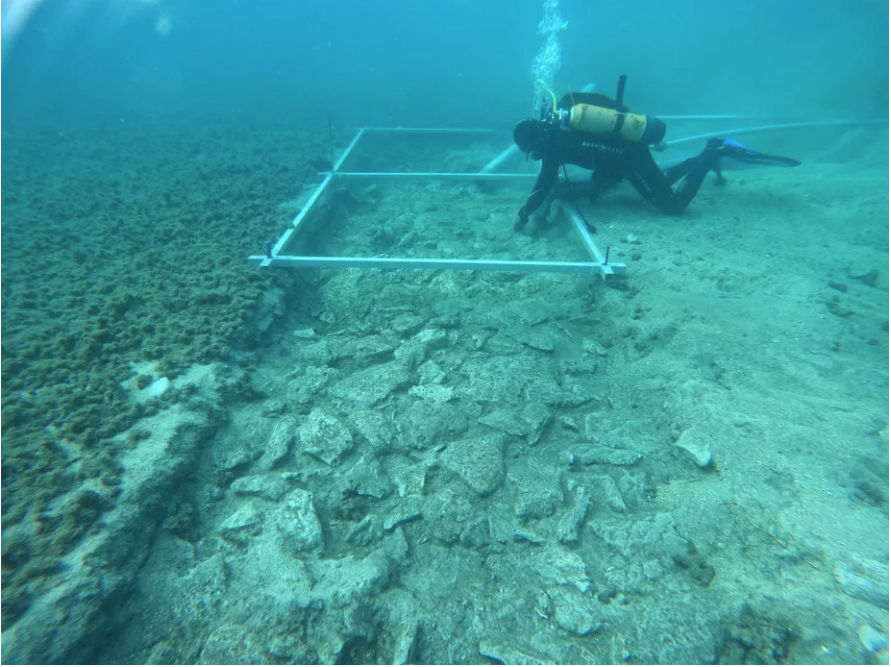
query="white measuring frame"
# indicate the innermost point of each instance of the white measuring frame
(277, 256)
(599, 263)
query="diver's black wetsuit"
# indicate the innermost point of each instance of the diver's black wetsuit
(613, 158)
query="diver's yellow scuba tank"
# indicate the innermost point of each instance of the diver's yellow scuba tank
(631, 126)
(594, 119)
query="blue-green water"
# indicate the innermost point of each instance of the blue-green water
(207, 461)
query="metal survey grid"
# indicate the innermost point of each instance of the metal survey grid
(599, 263)
(276, 255)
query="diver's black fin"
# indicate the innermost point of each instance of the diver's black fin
(777, 161)
(754, 157)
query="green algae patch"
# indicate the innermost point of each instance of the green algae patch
(116, 253)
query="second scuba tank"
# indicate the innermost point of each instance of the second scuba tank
(631, 126)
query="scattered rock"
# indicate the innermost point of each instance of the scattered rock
(574, 612)
(406, 323)
(509, 381)
(591, 454)
(313, 381)
(401, 517)
(532, 311)
(864, 579)
(650, 546)
(545, 389)
(402, 618)
(413, 352)
(569, 423)
(699, 569)
(374, 427)
(572, 520)
(346, 581)
(870, 278)
(478, 461)
(433, 393)
(534, 339)
(164, 654)
(316, 354)
(528, 535)
(580, 364)
(578, 391)
(537, 416)
(591, 346)
(609, 492)
(430, 373)
(408, 476)
(368, 349)
(366, 479)
(506, 655)
(304, 334)
(478, 533)
(507, 420)
(279, 443)
(538, 495)
(231, 645)
(241, 525)
(561, 567)
(159, 387)
(269, 487)
(841, 287)
(325, 437)
(372, 385)
(299, 524)
(446, 515)
(837, 307)
(425, 425)
(695, 442)
(368, 531)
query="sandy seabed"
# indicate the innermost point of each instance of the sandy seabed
(689, 464)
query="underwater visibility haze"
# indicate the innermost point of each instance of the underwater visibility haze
(436, 423)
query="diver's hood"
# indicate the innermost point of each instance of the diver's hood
(527, 134)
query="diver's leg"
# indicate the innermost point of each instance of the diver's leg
(690, 184)
(678, 171)
(645, 176)
(715, 149)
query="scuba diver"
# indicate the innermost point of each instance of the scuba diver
(594, 132)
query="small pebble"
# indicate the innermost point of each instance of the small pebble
(159, 387)
(304, 333)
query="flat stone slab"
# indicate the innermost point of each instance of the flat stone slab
(372, 385)
(325, 437)
(477, 461)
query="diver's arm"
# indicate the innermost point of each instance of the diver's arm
(547, 176)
